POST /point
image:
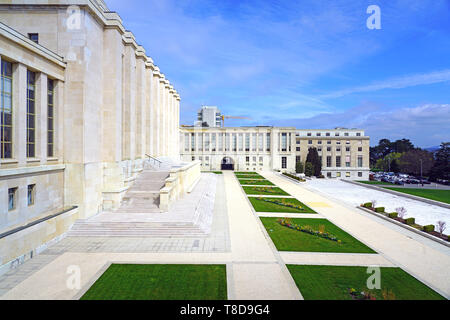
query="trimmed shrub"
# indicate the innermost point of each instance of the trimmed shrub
(428, 228)
(379, 209)
(410, 221)
(367, 205)
(393, 215)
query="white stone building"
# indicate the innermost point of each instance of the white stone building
(209, 116)
(344, 152)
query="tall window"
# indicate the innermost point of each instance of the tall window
(260, 142)
(213, 142)
(12, 193)
(6, 109)
(206, 141)
(220, 142)
(253, 141)
(227, 142)
(31, 114)
(360, 161)
(31, 194)
(192, 141)
(347, 161)
(200, 142)
(186, 142)
(283, 141)
(50, 118)
(267, 141)
(338, 161)
(241, 142)
(234, 141)
(328, 161)
(283, 162)
(247, 142)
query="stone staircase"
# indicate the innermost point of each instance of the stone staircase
(88, 228)
(143, 195)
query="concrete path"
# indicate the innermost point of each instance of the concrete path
(426, 263)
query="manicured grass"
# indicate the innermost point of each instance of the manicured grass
(160, 282)
(255, 182)
(216, 172)
(246, 172)
(265, 191)
(249, 176)
(286, 239)
(376, 182)
(433, 194)
(264, 206)
(333, 282)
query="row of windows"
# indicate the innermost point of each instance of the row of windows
(338, 149)
(12, 196)
(347, 174)
(328, 134)
(7, 109)
(234, 142)
(329, 142)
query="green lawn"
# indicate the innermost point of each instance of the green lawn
(245, 172)
(433, 194)
(255, 182)
(376, 182)
(333, 282)
(286, 239)
(263, 206)
(249, 176)
(160, 282)
(216, 172)
(265, 191)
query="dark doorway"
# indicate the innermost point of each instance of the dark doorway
(227, 164)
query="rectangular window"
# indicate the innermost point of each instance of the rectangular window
(200, 142)
(318, 134)
(241, 142)
(328, 161)
(338, 174)
(261, 161)
(346, 134)
(338, 161)
(297, 149)
(186, 142)
(297, 142)
(359, 149)
(338, 149)
(193, 141)
(297, 159)
(206, 141)
(327, 134)
(247, 142)
(328, 174)
(213, 142)
(360, 174)
(309, 141)
(34, 37)
(31, 194)
(227, 142)
(336, 135)
(220, 142)
(193, 158)
(247, 159)
(319, 142)
(234, 141)
(284, 142)
(347, 174)
(360, 161)
(6, 109)
(347, 161)
(50, 118)
(283, 162)
(12, 195)
(358, 134)
(347, 149)
(309, 134)
(328, 148)
(260, 142)
(31, 114)
(253, 141)
(329, 142)
(267, 141)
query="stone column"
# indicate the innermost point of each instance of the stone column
(162, 115)
(129, 112)
(141, 110)
(20, 113)
(149, 67)
(156, 122)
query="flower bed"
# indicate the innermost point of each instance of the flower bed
(309, 230)
(282, 202)
(408, 221)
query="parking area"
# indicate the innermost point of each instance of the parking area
(355, 195)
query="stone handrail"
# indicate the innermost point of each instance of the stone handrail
(179, 183)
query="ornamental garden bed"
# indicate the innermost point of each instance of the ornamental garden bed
(293, 177)
(245, 172)
(376, 182)
(410, 221)
(160, 282)
(288, 239)
(255, 182)
(337, 282)
(291, 205)
(276, 191)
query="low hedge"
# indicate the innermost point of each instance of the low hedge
(293, 176)
(379, 209)
(367, 205)
(410, 221)
(393, 215)
(428, 228)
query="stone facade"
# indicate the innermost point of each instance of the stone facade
(111, 108)
(277, 148)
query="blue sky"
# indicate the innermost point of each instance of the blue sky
(308, 64)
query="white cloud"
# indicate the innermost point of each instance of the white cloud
(396, 83)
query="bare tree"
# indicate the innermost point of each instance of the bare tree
(401, 212)
(374, 203)
(441, 226)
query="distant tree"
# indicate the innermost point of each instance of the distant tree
(313, 158)
(299, 167)
(410, 162)
(309, 169)
(403, 145)
(394, 166)
(441, 167)
(386, 147)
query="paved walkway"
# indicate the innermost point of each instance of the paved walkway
(414, 255)
(255, 269)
